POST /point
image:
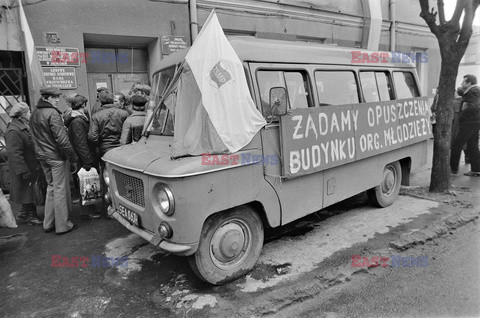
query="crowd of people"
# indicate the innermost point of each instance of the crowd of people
(49, 145)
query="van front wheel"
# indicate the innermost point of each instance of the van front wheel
(387, 192)
(229, 246)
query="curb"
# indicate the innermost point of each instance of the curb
(435, 230)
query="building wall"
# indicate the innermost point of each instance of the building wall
(142, 19)
(338, 22)
(470, 63)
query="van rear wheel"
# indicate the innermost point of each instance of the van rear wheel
(386, 193)
(229, 246)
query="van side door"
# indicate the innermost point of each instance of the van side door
(299, 196)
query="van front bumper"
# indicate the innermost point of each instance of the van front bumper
(154, 239)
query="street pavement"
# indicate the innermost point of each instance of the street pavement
(448, 287)
(301, 272)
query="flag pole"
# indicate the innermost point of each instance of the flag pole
(33, 67)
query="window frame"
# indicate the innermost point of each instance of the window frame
(390, 85)
(351, 70)
(285, 69)
(415, 80)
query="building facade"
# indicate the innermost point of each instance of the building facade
(125, 39)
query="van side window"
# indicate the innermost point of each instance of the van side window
(295, 82)
(297, 89)
(336, 87)
(405, 85)
(376, 86)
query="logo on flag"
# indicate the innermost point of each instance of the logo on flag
(220, 74)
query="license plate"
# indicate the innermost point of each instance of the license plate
(128, 214)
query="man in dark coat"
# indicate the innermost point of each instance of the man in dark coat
(468, 127)
(54, 152)
(23, 166)
(106, 125)
(105, 131)
(101, 93)
(77, 124)
(133, 125)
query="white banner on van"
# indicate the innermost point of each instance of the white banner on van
(221, 80)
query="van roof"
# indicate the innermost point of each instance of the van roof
(251, 49)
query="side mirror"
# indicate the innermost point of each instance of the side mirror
(278, 101)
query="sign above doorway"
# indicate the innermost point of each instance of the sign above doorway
(173, 43)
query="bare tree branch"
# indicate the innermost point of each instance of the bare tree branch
(441, 12)
(455, 20)
(429, 17)
(466, 31)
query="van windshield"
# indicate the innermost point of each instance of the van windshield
(163, 113)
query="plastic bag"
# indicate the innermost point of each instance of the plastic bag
(90, 191)
(6, 215)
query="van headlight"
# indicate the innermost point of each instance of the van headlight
(165, 200)
(106, 177)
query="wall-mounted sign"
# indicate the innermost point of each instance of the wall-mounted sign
(61, 77)
(173, 43)
(52, 37)
(58, 56)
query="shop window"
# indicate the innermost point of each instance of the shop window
(106, 60)
(132, 61)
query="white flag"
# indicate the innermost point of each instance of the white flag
(220, 77)
(32, 57)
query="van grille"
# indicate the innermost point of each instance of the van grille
(130, 188)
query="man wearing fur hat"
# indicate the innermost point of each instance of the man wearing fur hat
(133, 125)
(24, 168)
(54, 152)
(141, 90)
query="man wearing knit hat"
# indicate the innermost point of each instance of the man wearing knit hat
(55, 154)
(23, 166)
(133, 125)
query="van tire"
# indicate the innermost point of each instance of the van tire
(386, 193)
(229, 247)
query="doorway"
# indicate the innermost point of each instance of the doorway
(118, 69)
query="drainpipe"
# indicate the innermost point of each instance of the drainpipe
(193, 20)
(393, 25)
(372, 26)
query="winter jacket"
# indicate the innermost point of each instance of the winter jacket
(96, 108)
(106, 127)
(470, 111)
(23, 166)
(77, 125)
(49, 135)
(132, 127)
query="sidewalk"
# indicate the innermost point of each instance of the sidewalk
(461, 204)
